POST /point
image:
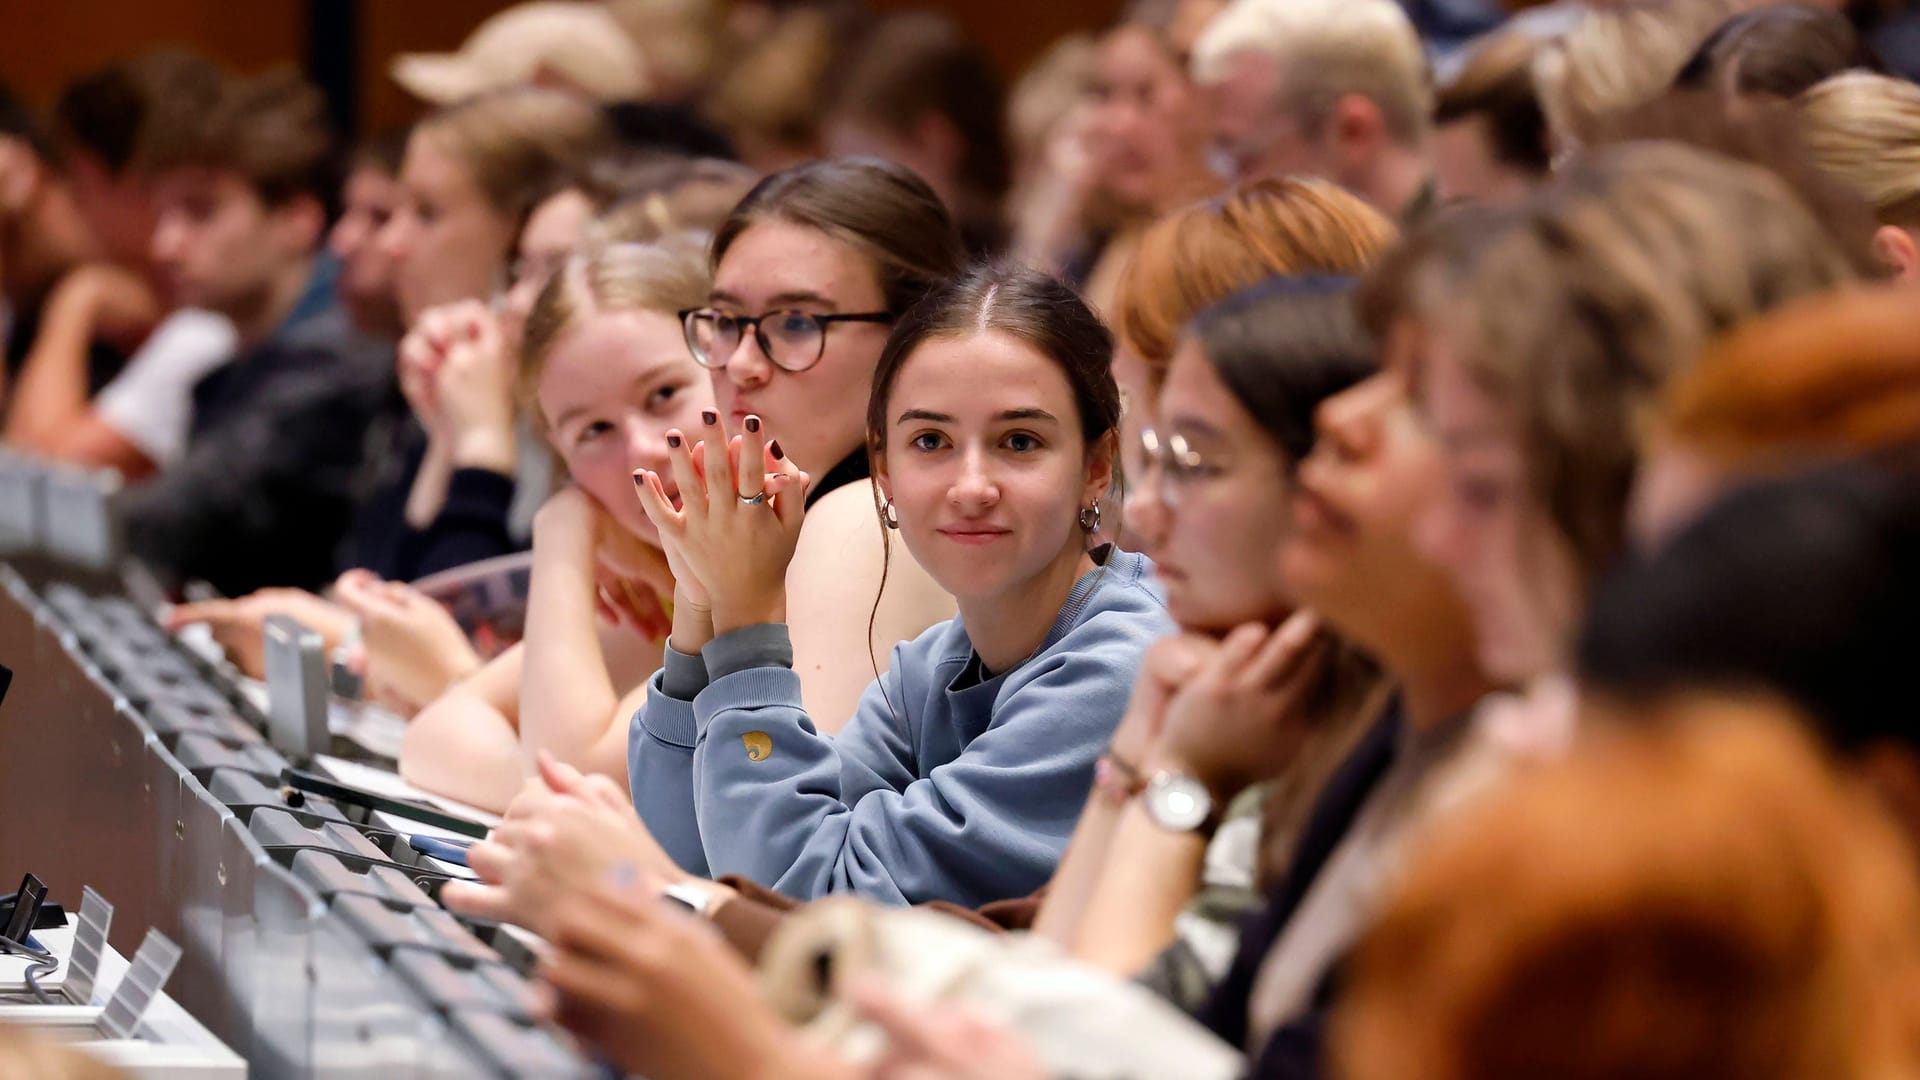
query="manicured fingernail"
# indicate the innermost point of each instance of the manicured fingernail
(673, 440)
(778, 454)
(753, 423)
(639, 477)
(709, 417)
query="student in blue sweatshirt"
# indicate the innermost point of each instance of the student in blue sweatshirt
(992, 433)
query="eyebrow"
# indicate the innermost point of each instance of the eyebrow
(651, 374)
(1195, 425)
(777, 300)
(942, 418)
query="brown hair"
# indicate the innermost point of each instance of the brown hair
(1605, 285)
(664, 277)
(1778, 50)
(1831, 375)
(1865, 130)
(129, 110)
(516, 142)
(918, 63)
(879, 209)
(1740, 912)
(271, 129)
(1496, 84)
(1197, 256)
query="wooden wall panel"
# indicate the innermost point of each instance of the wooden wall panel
(44, 43)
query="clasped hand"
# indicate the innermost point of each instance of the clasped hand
(731, 540)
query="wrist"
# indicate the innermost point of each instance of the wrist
(749, 611)
(486, 446)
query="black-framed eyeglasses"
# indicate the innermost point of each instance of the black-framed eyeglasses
(792, 340)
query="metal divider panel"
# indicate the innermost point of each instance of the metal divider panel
(143, 982)
(281, 1006)
(89, 942)
(515, 1049)
(163, 778)
(296, 688)
(203, 919)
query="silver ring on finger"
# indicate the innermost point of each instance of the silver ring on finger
(755, 499)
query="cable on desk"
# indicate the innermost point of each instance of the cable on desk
(42, 963)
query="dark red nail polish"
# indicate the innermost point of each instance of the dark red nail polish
(709, 417)
(778, 454)
(674, 440)
(753, 423)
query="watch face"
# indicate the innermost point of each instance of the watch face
(1179, 803)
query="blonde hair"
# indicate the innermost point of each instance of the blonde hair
(1324, 50)
(665, 278)
(518, 142)
(1620, 56)
(672, 197)
(1601, 288)
(1865, 129)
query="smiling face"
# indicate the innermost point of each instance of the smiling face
(447, 241)
(1212, 525)
(610, 390)
(817, 414)
(986, 464)
(1516, 571)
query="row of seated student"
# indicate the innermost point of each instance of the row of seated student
(1465, 552)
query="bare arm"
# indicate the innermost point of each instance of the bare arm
(52, 393)
(831, 584)
(93, 443)
(466, 744)
(577, 694)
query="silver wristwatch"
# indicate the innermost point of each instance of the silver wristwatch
(1179, 803)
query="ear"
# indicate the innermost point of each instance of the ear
(1100, 467)
(1355, 129)
(1896, 249)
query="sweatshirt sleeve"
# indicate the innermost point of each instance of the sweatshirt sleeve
(809, 815)
(660, 761)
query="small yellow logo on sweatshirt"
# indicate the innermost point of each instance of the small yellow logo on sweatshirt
(759, 745)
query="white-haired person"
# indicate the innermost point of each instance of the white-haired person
(1334, 89)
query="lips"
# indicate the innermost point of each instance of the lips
(973, 535)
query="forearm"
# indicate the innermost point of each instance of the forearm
(1063, 909)
(429, 492)
(463, 748)
(567, 698)
(52, 391)
(1150, 876)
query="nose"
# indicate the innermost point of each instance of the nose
(974, 489)
(1148, 516)
(348, 234)
(395, 238)
(1348, 423)
(165, 243)
(747, 367)
(647, 449)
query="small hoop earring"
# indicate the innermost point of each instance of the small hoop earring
(889, 516)
(1090, 518)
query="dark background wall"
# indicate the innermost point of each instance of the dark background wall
(45, 42)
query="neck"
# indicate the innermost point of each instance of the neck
(1393, 185)
(259, 317)
(1437, 687)
(1010, 626)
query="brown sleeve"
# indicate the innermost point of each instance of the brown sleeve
(748, 919)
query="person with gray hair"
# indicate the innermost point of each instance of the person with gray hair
(1336, 89)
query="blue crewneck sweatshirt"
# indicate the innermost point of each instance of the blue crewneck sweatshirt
(945, 785)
